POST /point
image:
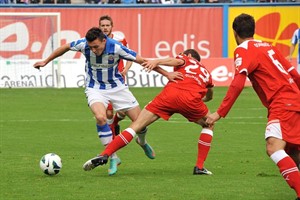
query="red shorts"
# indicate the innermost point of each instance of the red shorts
(290, 127)
(172, 100)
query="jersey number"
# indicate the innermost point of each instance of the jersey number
(276, 62)
(205, 74)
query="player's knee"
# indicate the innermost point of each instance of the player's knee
(101, 119)
(274, 144)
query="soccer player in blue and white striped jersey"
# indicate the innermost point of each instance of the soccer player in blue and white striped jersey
(104, 82)
(294, 41)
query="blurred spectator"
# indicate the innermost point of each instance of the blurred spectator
(154, 1)
(114, 1)
(167, 1)
(64, 1)
(4, 1)
(187, 1)
(22, 1)
(101, 1)
(128, 1)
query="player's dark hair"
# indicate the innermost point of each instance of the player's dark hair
(94, 33)
(106, 17)
(193, 53)
(244, 25)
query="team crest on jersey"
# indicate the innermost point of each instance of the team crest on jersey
(238, 62)
(110, 57)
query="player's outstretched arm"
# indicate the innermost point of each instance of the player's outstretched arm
(149, 65)
(152, 65)
(56, 53)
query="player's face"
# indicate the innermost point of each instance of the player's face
(106, 27)
(97, 46)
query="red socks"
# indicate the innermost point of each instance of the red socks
(203, 147)
(288, 169)
(120, 141)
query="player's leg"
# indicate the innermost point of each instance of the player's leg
(110, 117)
(275, 149)
(113, 120)
(293, 150)
(195, 110)
(142, 130)
(119, 116)
(204, 144)
(145, 118)
(105, 135)
(98, 102)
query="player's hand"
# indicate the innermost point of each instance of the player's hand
(173, 76)
(37, 65)
(149, 65)
(124, 72)
(212, 118)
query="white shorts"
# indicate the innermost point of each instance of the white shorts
(120, 97)
(273, 129)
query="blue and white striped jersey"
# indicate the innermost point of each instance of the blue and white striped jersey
(102, 71)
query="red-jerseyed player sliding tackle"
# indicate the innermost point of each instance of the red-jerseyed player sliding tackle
(194, 90)
(277, 84)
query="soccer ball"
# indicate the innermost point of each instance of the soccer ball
(51, 164)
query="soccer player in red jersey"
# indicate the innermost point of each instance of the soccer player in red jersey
(277, 84)
(185, 96)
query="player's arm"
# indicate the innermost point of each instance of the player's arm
(209, 95)
(171, 76)
(126, 68)
(292, 49)
(232, 94)
(56, 53)
(295, 75)
(152, 64)
(289, 68)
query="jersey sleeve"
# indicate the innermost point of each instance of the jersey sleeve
(78, 45)
(126, 53)
(243, 60)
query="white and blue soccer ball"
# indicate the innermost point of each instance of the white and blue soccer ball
(51, 164)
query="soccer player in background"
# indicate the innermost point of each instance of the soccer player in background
(277, 84)
(104, 83)
(106, 26)
(295, 40)
(194, 90)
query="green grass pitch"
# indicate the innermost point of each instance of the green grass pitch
(34, 122)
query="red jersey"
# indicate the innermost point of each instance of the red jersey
(196, 77)
(184, 96)
(122, 40)
(269, 74)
